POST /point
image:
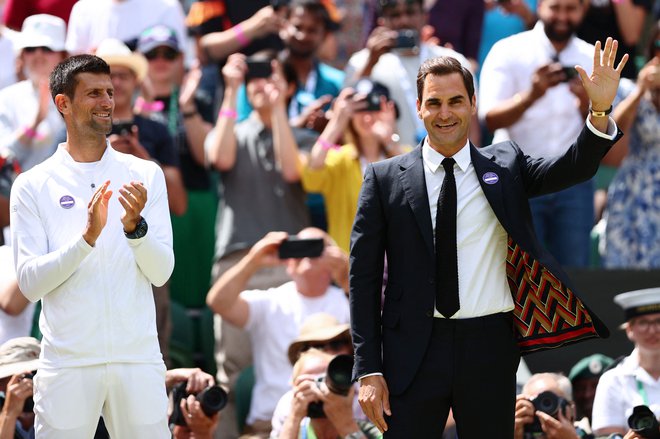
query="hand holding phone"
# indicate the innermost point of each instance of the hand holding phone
(258, 69)
(298, 248)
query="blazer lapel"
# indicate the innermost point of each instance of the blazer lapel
(491, 178)
(412, 178)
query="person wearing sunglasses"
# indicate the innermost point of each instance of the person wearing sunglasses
(30, 125)
(636, 378)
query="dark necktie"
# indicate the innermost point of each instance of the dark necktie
(446, 269)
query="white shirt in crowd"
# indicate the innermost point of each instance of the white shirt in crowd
(618, 392)
(274, 321)
(553, 122)
(92, 21)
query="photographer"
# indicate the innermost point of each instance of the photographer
(530, 422)
(338, 419)
(635, 380)
(273, 317)
(19, 357)
(198, 424)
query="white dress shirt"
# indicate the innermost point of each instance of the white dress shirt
(481, 241)
(508, 69)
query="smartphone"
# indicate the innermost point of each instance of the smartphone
(294, 247)
(406, 39)
(373, 102)
(279, 4)
(569, 73)
(258, 69)
(122, 128)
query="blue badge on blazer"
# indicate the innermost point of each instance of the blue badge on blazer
(67, 201)
(490, 178)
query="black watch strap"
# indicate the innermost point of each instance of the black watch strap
(140, 230)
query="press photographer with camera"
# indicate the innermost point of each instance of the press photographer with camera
(322, 403)
(19, 358)
(273, 317)
(635, 381)
(545, 409)
(196, 402)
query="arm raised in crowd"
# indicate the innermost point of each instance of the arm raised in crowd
(196, 127)
(221, 143)
(224, 296)
(219, 45)
(285, 146)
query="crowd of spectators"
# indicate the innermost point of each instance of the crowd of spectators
(263, 116)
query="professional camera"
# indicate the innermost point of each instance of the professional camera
(643, 422)
(28, 406)
(212, 400)
(546, 402)
(338, 379)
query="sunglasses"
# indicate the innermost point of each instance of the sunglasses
(332, 345)
(167, 52)
(44, 49)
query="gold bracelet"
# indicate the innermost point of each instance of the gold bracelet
(596, 113)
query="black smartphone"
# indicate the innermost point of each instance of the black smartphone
(294, 247)
(122, 128)
(258, 69)
(373, 102)
(406, 39)
(279, 4)
(569, 73)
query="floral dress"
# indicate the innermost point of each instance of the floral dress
(632, 235)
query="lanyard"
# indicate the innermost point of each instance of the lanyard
(306, 430)
(642, 392)
(173, 112)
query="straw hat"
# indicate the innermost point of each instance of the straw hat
(116, 53)
(318, 327)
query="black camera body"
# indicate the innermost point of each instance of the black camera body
(298, 248)
(643, 422)
(258, 68)
(279, 4)
(569, 73)
(212, 400)
(338, 379)
(546, 402)
(28, 406)
(406, 39)
(122, 128)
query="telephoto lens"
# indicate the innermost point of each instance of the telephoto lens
(338, 375)
(212, 399)
(643, 422)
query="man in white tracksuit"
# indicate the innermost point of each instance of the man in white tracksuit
(89, 242)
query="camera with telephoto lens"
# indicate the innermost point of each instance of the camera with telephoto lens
(546, 402)
(28, 406)
(212, 400)
(643, 422)
(338, 379)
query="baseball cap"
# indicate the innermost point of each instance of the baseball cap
(116, 53)
(157, 36)
(18, 355)
(42, 30)
(592, 366)
(639, 302)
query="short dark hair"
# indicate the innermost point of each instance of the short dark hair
(443, 65)
(316, 8)
(384, 5)
(63, 79)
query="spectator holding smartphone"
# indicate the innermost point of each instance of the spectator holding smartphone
(273, 317)
(257, 196)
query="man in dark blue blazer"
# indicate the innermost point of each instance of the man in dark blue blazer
(470, 288)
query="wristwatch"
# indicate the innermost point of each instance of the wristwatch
(140, 230)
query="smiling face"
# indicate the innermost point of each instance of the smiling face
(304, 33)
(446, 109)
(560, 18)
(644, 331)
(90, 109)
